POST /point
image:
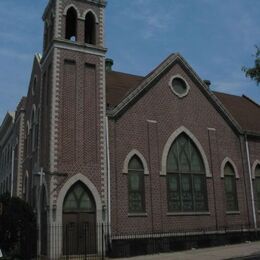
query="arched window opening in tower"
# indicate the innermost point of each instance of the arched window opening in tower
(71, 24)
(90, 29)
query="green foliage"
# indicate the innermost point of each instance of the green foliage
(17, 226)
(254, 72)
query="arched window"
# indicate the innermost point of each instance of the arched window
(90, 28)
(32, 137)
(230, 187)
(257, 185)
(71, 24)
(78, 200)
(186, 177)
(136, 190)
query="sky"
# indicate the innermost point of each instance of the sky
(216, 37)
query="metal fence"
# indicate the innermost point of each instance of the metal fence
(127, 245)
(76, 241)
(83, 241)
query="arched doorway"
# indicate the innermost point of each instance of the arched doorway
(79, 221)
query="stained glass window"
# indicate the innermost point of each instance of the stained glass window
(186, 178)
(230, 188)
(78, 199)
(257, 185)
(136, 186)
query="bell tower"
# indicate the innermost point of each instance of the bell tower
(73, 146)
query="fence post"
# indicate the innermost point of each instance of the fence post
(102, 234)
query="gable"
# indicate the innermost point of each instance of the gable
(155, 76)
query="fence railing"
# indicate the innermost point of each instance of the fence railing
(84, 241)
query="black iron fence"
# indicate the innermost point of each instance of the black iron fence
(84, 241)
(76, 241)
(127, 245)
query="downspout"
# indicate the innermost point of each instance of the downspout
(251, 183)
(108, 183)
(12, 174)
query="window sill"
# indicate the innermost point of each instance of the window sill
(233, 212)
(206, 213)
(144, 214)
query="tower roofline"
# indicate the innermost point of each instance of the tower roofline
(102, 3)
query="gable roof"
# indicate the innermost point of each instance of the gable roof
(244, 110)
(119, 85)
(122, 89)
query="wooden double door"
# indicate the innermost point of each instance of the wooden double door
(79, 233)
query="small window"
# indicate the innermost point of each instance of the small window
(179, 86)
(71, 25)
(257, 185)
(230, 188)
(136, 192)
(34, 85)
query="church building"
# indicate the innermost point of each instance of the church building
(123, 157)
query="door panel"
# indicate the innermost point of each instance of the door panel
(79, 233)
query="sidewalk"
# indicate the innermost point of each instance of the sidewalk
(213, 253)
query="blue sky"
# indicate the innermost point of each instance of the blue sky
(216, 37)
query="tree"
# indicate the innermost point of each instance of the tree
(254, 72)
(17, 227)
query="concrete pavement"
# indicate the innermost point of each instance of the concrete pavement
(213, 253)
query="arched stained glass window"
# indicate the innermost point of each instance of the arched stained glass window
(186, 177)
(230, 188)
(257, 185)
(136, 193)
(78, 199)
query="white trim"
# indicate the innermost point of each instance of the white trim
(90, 11)
(151, 121)
(257, 162)
(68, 7)
(129, 157)
(178, 76)
(223, 164)
(80, 48)
(211, 129)
(168, 145)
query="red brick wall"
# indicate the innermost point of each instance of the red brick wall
(79, 144)
(132, 131)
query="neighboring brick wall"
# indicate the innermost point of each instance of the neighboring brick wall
(131, 131)
(30, 162)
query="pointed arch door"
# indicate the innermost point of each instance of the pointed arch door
(79, 222)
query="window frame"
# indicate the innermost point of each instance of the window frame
(141, 191)
(181, 78)
(232, 177)
(256, 180)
